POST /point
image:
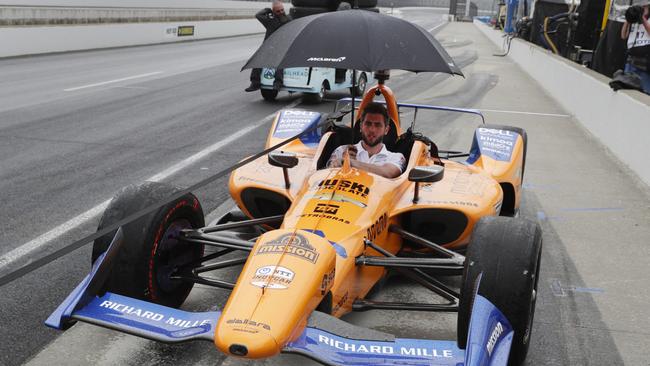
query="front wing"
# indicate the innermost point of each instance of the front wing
(326, 339)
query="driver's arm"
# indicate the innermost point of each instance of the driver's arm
(386, 170)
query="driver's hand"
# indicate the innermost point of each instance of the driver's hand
(334, 163)
(352, 150)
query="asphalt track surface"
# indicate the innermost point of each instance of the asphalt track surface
(133, 113)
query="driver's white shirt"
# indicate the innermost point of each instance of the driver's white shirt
(382, 157)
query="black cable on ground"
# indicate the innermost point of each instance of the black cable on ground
(507, 41)
(32, 266)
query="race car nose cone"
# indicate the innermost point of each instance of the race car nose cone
(245, 344)
(238, 350)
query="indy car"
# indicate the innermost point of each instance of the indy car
(313, 82)
(318, 240)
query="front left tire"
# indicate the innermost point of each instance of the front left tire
(151, 251)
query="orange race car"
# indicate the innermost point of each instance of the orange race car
(320, 239)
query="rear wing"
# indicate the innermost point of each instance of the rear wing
(415, 107)
(501, 152)
(290, 122)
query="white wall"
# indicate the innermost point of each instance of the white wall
(182, 4)
(35, 40)
(620, 120)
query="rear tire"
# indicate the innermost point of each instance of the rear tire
(269, 94)
(316, 98)
(363, 3)
(301, 11)
(507, 251)
(358, 90)
(331, 4)
(151, 251)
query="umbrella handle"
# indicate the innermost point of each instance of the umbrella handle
(391, 102)
(354, 85)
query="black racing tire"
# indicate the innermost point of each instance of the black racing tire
(360, 88)
(301, 11)
(150, 250)
(507, 251)
(269, 94)
(315, 98)
(331, 4)
(363, 3)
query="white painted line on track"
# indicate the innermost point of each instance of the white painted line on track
(522, 112)
(436, 27)
(25, 249)
(113, 81)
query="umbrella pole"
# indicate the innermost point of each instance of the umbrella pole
(354, 92)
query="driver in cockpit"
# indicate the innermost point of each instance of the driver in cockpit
(370, 153)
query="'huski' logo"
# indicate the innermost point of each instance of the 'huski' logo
(296, 245)
(344, 186)
(326, 59)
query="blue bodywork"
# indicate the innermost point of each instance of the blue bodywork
(497, 144)
(489, 340)
(291, 122)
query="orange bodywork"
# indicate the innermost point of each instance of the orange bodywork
(310, 259)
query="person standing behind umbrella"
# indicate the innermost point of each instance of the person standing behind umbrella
(272, 19)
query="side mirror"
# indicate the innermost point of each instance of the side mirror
(284, 160)
(425, 174)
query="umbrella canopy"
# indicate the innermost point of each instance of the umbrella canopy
(353, 39)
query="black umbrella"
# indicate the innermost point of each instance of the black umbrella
(353, 39)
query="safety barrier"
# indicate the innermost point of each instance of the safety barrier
(58, 15)
(620, 120)
(18, 41)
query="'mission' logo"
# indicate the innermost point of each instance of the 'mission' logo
(292, 244)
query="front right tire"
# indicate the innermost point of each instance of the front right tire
(507, 251)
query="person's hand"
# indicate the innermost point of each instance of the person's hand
(334, 163)
(646, 12)
(352, 150)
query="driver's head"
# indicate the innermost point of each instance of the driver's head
(277, 7)
(374, 124)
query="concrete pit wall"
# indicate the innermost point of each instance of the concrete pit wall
(20, 41)
(620, 120)
(28, 15)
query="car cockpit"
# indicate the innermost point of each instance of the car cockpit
(395, 140)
